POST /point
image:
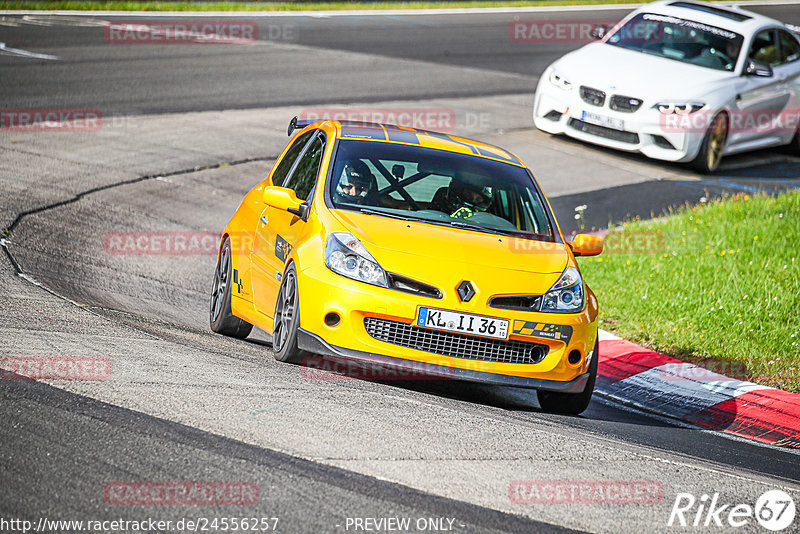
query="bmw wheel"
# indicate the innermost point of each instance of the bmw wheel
(710, 154)
(222, 319)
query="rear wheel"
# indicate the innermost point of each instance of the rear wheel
(287, 320)
(222, 319)
(571, 403)
(710, 154)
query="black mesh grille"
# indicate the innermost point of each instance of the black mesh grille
(553, 115)
(593, 96)
(625, 104)
(454, 345)
(602, 131)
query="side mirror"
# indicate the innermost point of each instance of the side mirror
(757, 68)
(284, 199)
(600, 31)
(587, 245)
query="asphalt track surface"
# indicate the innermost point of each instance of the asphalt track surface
(184, 404)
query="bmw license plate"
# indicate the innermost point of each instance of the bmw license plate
(465, 323)
(602, 120)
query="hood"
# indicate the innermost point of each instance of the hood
(617, 70)
(436, 254)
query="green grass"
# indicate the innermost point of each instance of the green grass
(723, 285)
(287, 6)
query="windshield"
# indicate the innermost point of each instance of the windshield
(423, 184)
(681, 40)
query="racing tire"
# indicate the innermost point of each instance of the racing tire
(571, 403)
(220, 316)
(794, 144)
(710, 154)
(287, 320)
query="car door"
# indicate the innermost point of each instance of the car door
(761, 101)
(263, 275)
(788, 71)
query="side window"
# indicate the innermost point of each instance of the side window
(765, 48)
(285, 165)
(305, 174)
(790, 48)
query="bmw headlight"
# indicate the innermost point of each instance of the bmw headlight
(345, 255)
(680, 108)
(557, 80)
(566, 295)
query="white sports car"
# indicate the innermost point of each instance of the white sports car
(671, 81)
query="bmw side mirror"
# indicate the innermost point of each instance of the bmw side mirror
(599, 32)
(757, 68)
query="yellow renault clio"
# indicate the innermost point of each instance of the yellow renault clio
(413, 250)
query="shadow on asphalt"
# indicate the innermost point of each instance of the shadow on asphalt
(518, 400)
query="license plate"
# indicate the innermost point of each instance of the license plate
(465, 323)
(602, 120)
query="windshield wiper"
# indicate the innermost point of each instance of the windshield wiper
(391, 215)
(479, 228)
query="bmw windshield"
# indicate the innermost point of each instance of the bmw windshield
(680, 40)
(438, 187)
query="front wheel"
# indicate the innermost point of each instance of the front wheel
(287, 320)
(710, 154)
(571, 403)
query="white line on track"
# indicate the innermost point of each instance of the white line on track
(5, 50)
(375, 12)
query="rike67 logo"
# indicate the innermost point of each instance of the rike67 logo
(774, 510)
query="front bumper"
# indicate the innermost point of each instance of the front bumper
(313, 343)
(557, 111)
(323, 292)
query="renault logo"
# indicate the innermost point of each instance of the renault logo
(465, 291)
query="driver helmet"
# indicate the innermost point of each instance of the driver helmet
(468, 197)
(356, 182)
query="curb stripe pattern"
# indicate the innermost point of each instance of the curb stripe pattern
(644, 378)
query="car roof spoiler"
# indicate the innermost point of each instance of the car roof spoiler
(296, 124)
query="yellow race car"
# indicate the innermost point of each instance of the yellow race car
(413, 250)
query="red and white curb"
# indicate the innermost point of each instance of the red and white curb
(660, 384)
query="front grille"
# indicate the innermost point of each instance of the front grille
(625, 104)
(553, 115)
(593, 96)
(454, 345)
(662, 142)
(602, 131)
(408, 285)
(516, 302)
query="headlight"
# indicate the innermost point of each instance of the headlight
(559, 82)
(681, 108)
(567, 295)
(345, 255)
